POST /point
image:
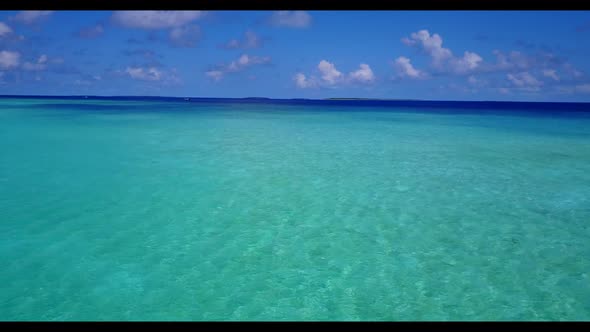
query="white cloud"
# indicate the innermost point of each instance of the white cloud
(329, 76)
(9, 59)
(144, 74)
(303, 82)
(442, 58)
(32, 16)
(240, 64)
(155, 19)
(551, 73)
(185, 36)
(513, 61)
(300, 80)
(517, 65)
(251, 40)
(363, 75)
(404, 68)
(468, 62)
(291, 19)
(149, 74)
(329, 72)
(215, 75)
(4, 29)
(525, 81)
(39, 65)
(332, 77)
(431, 44)
(246, 60)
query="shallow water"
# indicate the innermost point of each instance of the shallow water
(146, 210)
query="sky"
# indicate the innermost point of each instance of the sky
(433, 55)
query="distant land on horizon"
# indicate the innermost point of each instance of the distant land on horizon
(279, 99)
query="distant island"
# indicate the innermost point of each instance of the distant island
(370, 99)
(584, 106)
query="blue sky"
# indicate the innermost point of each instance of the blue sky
(442, 55)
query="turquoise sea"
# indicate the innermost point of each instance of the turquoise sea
(121, 209)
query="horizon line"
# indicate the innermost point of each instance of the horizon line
(310, 99)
